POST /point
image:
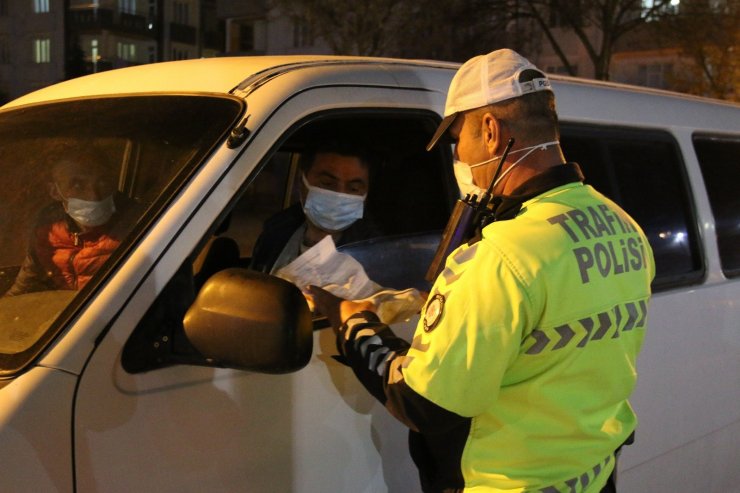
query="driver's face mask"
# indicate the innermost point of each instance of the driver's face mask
(464, 174)
(89, 213)
(332, 211)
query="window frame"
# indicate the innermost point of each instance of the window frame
(728, 272)
(601, 133)
(12, 365)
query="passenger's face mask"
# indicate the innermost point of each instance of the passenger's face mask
(89, 213)
(464, 174)
(332, 211)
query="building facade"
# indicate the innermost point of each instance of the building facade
(45, 41)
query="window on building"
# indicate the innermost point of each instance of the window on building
(180, 54)
(126, 51)
(302, 35)
(719, 167)
(42, 50)
(40, 6)
(654, 75)
(181, 13)
(127, 6)
(246, 37)
(94, 54)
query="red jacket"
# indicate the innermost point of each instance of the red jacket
(71, 259)
(62, 257)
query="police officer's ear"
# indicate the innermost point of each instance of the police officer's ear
(490, 132)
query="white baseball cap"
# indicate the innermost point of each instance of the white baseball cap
(488, 79)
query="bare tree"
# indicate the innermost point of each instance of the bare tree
(349, 27)
(436, 29)
(598, 24)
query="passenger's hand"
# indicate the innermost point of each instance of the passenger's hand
(334, 308)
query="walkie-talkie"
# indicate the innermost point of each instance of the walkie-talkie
(467, 215)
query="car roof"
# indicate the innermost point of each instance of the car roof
(578, 99)
(219, 75)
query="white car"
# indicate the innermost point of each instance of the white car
(105, 388)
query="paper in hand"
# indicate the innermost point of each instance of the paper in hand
(340, 274)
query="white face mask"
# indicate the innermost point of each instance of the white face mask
(332, 211)
(464, 174)
(89, 213)
(464, 178)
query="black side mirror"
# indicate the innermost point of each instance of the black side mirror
(248, 320)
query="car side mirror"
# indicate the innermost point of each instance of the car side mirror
(252, 321)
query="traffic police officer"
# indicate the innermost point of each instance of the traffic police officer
(520, 370)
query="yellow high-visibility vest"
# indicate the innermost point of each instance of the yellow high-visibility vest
(534, 331)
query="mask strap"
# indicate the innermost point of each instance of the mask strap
(529, 150)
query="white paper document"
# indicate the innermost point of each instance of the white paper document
(340, 274)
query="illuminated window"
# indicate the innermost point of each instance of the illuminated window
(126, 51)
(94, 54)
(40, 6)
(42, 50)
(127, 6)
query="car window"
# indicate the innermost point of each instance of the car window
(720, 167)
(643, 172)
(411, 193)
(80, 176)
(411, 190)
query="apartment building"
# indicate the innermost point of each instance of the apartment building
(31, 45)
(253, 27)
(46, 41)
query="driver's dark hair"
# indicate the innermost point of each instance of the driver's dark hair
(343, 147)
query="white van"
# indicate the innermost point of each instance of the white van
(106, 389)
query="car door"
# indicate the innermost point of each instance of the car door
(145, 422)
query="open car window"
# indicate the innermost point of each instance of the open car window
(411, 190)
(410, 196)
(79, 177)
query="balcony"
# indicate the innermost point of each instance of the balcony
(182, 33)
(96, 19)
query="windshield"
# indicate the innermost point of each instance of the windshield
(79, 176)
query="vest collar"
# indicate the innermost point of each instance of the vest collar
(508, 206)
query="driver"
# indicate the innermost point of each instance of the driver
(334, 185)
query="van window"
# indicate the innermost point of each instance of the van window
(718, 160)
(411, 192)
(642, 171)
(80, 177)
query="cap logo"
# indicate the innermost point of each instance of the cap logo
(534, 85)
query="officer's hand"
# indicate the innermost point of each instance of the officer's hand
(336, 309)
